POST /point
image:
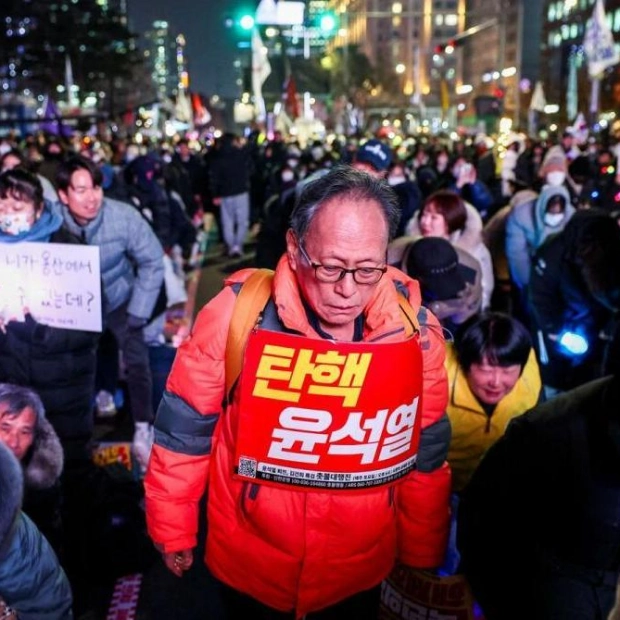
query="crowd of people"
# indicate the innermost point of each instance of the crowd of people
(461, 309)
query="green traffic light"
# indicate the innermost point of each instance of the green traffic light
(246, 22)
(327, 22)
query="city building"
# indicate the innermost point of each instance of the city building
(565, 72)
(410, 40)
(503, 58)
(166, 59)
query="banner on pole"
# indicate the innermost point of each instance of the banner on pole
(598, 42)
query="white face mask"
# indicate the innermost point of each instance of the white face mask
(553, 219)
(396, 180)
(15, 223)
(287, 176)
(556, 178)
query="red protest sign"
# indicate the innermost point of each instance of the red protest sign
(328, 415)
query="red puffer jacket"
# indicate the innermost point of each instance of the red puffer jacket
(293, 550)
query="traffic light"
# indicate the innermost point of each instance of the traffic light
(246, 21)
(243, 21)
(448, 47)
(327, 23)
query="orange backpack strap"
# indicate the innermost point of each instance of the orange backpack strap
(251, 301)
(412, 324)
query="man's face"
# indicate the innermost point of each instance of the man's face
(345, 233)
(17, 432)
(490, 383)
(83, 198)
(184, 151)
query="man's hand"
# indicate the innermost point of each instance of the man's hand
(179, 561)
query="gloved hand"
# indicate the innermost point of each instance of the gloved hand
(24, 330)
(135, 322)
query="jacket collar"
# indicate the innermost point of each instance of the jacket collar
(382, 315)
(83, 232)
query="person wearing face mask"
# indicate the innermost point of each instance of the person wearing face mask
(528, 224)
(45, 357)
(59, 364)
(408, 193)
(558, 170)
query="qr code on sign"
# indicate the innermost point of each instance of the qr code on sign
(247, 467)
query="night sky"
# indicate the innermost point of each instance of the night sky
(210, 46)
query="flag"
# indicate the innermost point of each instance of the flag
(52, 120)
(201, 114)
(598, 42)
(538, 101)
(71, 101)
(572, 97)
(183, 107)
(261, 69)
(291, 103)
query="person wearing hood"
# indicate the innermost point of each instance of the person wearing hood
(32, 583)
(574, 298)
(494, 237)
(58, 363)
(528, 224)
(33, 441)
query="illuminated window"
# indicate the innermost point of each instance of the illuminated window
(451, 19)
(439, 20)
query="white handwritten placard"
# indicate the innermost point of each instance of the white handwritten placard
(59, 284)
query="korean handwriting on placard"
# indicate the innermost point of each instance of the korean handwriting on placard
(57, 265)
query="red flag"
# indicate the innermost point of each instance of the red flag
(201, 114)
(291, 102)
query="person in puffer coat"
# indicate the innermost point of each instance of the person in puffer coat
(32, 583)
(33, 441)
(59, 364)
(287, 551)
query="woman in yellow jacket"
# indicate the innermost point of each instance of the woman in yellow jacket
(493, 376)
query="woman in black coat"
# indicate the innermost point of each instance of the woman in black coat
(59, 364)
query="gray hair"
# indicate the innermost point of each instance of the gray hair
(343, 181)
(16, 398)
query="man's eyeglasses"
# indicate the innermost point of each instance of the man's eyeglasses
(331, 273)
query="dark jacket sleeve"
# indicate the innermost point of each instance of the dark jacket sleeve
(496, 538)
